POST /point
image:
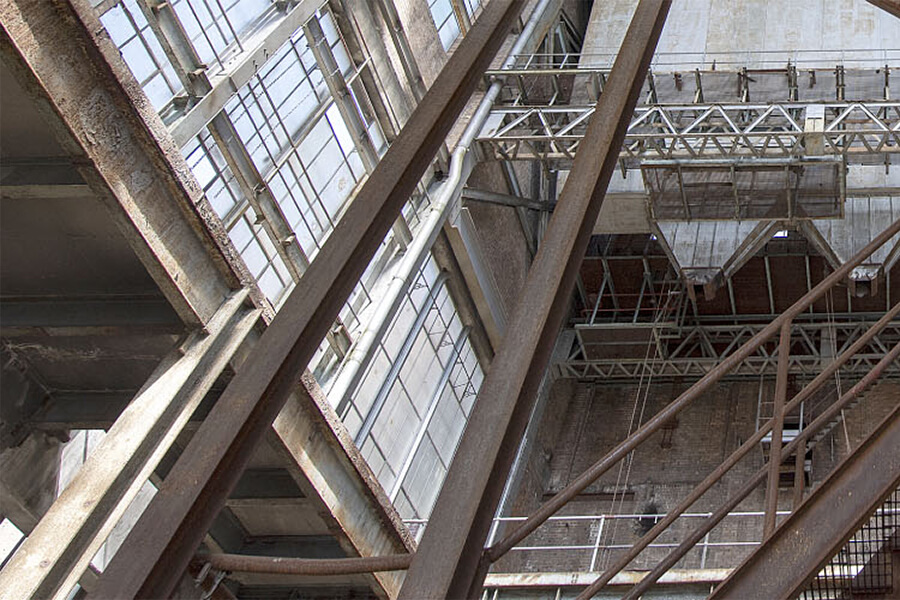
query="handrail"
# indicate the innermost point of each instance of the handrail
(672, 409)
(748, 487)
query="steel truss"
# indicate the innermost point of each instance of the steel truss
(854, 131)
(693, 351)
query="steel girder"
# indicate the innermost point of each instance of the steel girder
(448, 563)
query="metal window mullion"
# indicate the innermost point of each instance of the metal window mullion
(259, 195)
(138, 33)
(429, 414)
(343, 99)
(176, 44)
(215, 23)
(399, 361)
(337, 86)
(462, 16)
(359, 53)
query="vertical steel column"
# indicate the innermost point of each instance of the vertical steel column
(784, 355)
(163, 541)
(447, 562)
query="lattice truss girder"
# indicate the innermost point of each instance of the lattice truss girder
(856, 131)
(692, 351)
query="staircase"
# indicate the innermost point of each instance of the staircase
(864, 567)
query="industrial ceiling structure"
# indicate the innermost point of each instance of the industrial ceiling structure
(449, 299)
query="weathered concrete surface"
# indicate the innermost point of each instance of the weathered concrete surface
(28, 477)
(734, 28)
(100, 114)
(367, 524)
(422, 34)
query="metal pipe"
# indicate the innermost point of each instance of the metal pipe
(784, 355)
(751, 483)
(738, 454)
(622, 449)
(360, 354)
(280, 565)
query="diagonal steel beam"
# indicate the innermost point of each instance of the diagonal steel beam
(783, 565)
(447, 562)
(161, 545)
(891, 6)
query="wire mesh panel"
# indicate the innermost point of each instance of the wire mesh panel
(744, 190)
(864, 565)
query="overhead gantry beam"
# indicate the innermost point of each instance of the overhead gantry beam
(447, 562)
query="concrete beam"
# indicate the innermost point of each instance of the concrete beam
(103, 120)
(22, 397)
(42, 179)
(69, 316)
(348, 494)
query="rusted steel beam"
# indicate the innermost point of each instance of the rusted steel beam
(600, 467)
(708, 524)
(447, 562)
(891, 6)
(784, 352)
(278, 565)
(737, 455)
(783, 565)
(164, 540)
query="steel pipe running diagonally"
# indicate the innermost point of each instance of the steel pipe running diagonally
(162, 543)
(447, 563)
(673, 408)
(461, 164)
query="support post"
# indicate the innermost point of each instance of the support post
(447, 562)
(784, 355)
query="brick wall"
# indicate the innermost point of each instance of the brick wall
(584, 421)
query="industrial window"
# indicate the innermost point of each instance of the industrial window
(411, 407)
(141, 50)
(447, 21)
(252, 243)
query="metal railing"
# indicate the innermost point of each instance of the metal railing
(709, 60)
(603, 536)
